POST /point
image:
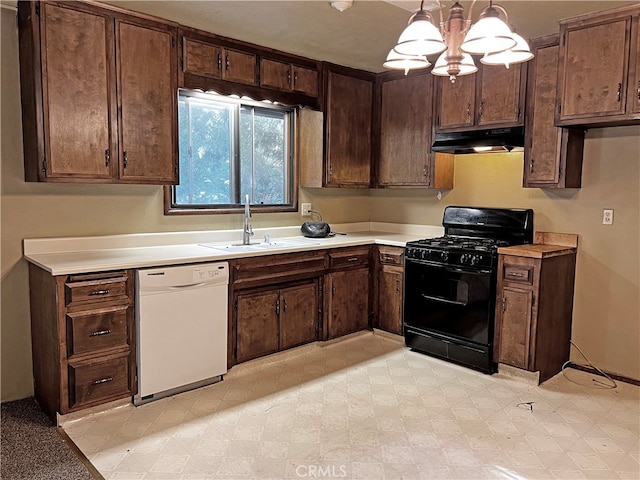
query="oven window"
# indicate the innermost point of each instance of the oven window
(444, 300)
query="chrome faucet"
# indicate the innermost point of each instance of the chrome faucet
(247, 231)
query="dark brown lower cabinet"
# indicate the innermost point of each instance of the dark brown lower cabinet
(83, 339)
(273, 320)
(534, 308)
(347, 301)
(389, 291)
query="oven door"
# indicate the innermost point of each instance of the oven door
(450, 301)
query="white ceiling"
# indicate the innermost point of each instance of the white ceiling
(359, 37)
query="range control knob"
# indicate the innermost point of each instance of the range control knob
(463, 258)
(474, 259)
(444, 256)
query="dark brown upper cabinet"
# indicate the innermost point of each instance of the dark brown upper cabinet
(599, 77)
(405, 134)
(553, 155)
(493, 97)
(98, 95)
(348, 126)
(288, 77)
(214, 61)
(232, 67)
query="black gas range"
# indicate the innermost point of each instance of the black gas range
(450, 283)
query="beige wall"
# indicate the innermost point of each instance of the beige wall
(606, 306)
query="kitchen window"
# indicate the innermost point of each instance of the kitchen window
(231, 147)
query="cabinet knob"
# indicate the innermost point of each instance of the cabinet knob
(107, 157)
(481, 107)
(295, 79)
(125, 159)
(531, 165)
(638, 90)
(226, 63)
(219, 62)
(504, 303)
(468, 111)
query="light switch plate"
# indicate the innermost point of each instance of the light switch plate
(607, 216)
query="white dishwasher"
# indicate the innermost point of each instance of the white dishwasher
(181, 324)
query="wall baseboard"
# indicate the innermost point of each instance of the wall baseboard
(620, 378)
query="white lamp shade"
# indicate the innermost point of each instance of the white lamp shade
(467, 66)
(398, 61)
(488, 35)
(517, 54)
(421, 37)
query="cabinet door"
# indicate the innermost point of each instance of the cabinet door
(542, 155)
(257, 325)
(147, 94)
(79, 94)
(500, 102)
(634, 78)
(305, 80)
(348, 130)
(275, 74)
(515, 326)
(298, 315)
(238, 66)
(594, 71)
(201, 59)
(348, 302)
(405, 131)
(456, 103)
(389, 311)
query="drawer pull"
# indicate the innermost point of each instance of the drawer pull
(516, 274)
(102, 380)
(352, 259)
(100, 292)
(100, 332)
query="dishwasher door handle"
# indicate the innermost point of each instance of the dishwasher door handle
(179, 287)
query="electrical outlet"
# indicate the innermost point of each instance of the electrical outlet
(607, 216)
(305, 209)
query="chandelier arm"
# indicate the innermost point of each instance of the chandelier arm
(442, 21)
(470, 12)
(506, 15)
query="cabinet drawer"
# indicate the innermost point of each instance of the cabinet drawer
(518, 273)
(349, 258)
(99, 381)
(262, 271)
(95, 330)
(80, 290)
(391, 255)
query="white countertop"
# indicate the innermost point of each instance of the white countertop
(70, 255)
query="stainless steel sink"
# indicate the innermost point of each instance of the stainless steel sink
(272, 245)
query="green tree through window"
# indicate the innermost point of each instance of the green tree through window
(229, 148)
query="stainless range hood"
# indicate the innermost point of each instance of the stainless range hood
(480, 141)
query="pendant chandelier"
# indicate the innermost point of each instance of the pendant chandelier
(456, 40)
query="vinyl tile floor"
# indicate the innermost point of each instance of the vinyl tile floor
(366, 407)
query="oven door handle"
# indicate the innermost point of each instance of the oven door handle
(447, 268)
(443, 300)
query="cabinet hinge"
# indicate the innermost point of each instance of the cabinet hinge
(519, 112)
(173, 42)
(181, 64)
(38, 10)
(44, 166)
(235, 305)
(559, 107)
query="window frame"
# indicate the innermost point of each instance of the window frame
(171, 209)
